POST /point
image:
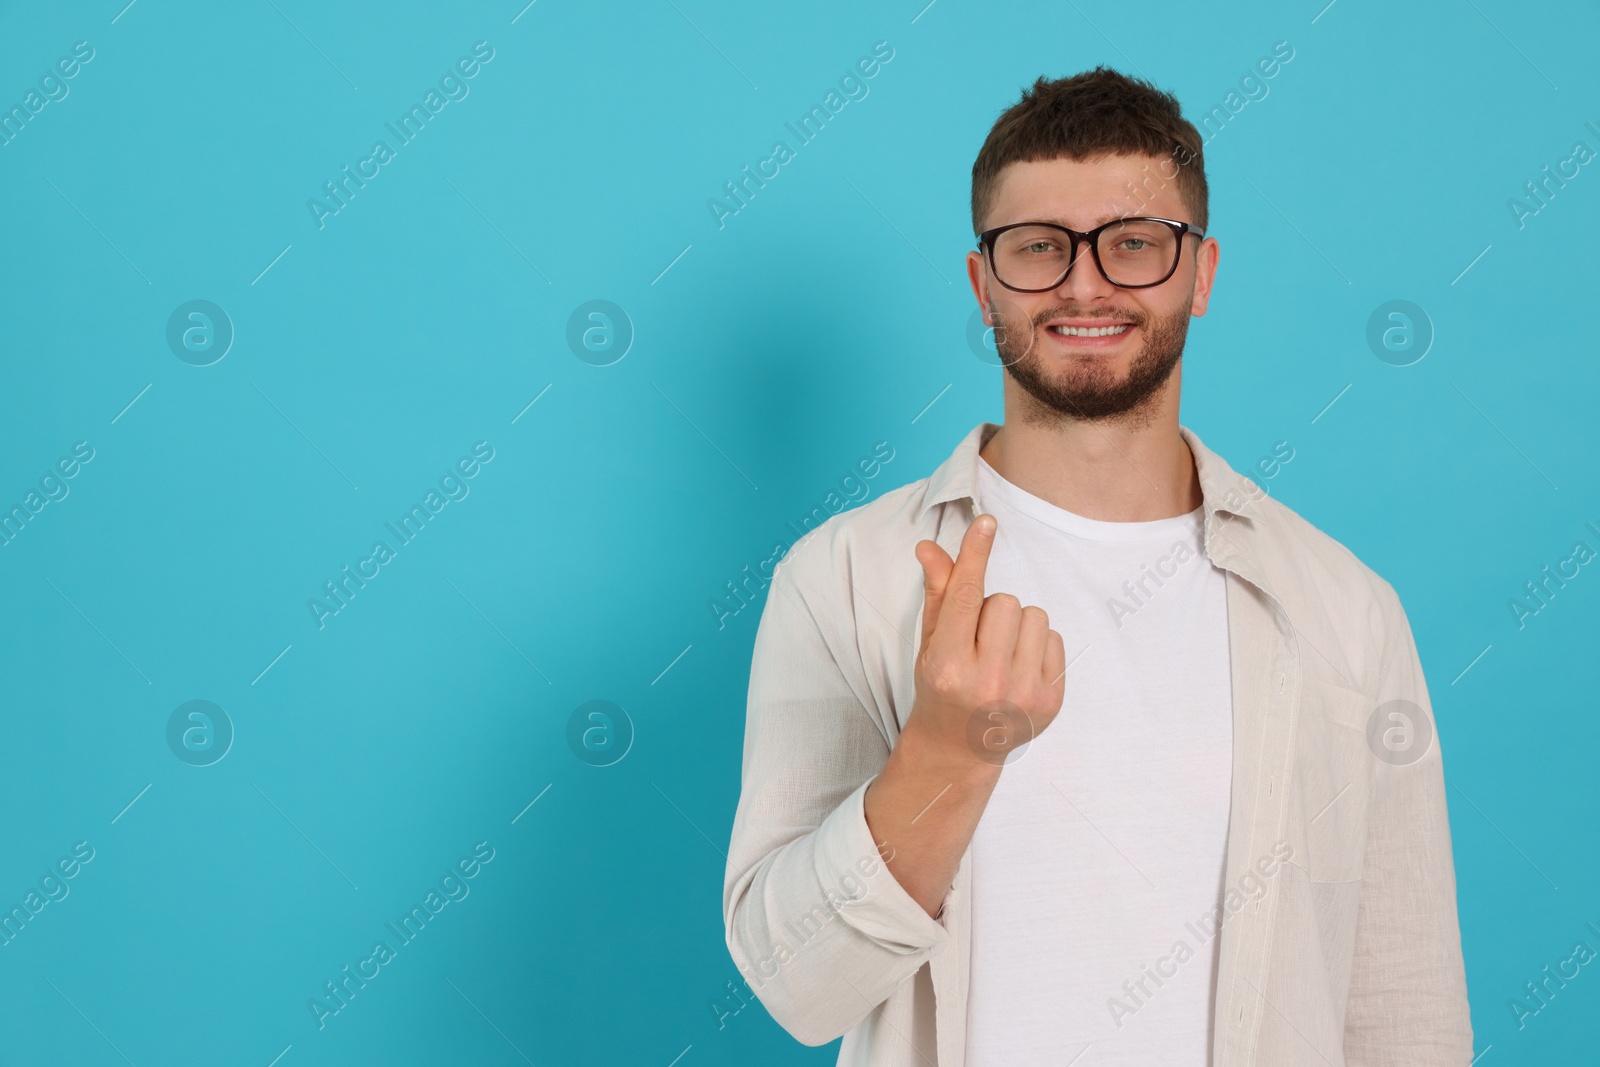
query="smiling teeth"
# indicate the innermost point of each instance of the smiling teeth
(1089, 331)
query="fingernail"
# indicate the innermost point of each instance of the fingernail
(985, 524)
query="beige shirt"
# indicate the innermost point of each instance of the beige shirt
(1340, 944)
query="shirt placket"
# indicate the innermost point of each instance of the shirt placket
(1265, 651)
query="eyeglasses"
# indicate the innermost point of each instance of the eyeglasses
(1132, 253)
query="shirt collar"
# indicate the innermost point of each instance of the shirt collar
(1230, 500)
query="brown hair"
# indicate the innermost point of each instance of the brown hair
(1095, 113)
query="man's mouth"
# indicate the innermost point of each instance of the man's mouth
(1090, 331)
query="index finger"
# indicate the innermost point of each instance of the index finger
(963, 594)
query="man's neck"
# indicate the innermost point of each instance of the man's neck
(1114, 471)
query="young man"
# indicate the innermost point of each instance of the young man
(1184, 807)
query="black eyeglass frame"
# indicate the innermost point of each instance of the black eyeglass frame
(987, 237)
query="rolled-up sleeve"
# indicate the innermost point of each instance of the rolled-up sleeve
(815, 921)
(1408, 992)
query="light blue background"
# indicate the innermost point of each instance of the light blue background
(769, 356)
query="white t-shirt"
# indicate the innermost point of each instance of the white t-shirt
(1102, 847)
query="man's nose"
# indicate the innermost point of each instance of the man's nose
(1084, 278)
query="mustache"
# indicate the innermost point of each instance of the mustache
(1002, 316)
(1064, 312)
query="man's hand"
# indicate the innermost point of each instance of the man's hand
(990, 676)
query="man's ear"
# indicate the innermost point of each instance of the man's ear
(1206, 257)
(976, 280)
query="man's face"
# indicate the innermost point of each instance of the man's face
(1090, 378)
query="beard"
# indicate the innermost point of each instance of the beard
(1093, 392)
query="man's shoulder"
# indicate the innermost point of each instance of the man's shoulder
(1295, 557)
(1327, 590)
(1319, 553)
(866, 542)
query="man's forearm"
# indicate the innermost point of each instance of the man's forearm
(923, 809)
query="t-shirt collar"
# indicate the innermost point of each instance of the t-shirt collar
(1226, 497)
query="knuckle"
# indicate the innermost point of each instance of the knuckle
(940, 679)
(1006, 602)
(1037, 614)
(968, 596)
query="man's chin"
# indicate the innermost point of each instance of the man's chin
(1089, 375)
(1086, 386)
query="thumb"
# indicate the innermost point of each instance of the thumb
(936, 569)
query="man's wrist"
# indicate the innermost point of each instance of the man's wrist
(925, 754)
